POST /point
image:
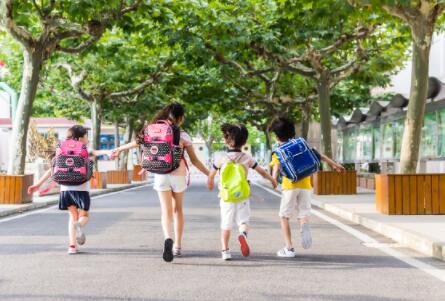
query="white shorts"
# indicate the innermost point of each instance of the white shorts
(232, 213)
(295, 200)
(170, 183)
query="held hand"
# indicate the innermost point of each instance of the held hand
(274, 183)
(32, 189)
(210, 184)
(114, 153)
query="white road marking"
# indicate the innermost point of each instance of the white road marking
(366, 239)
(32, 212)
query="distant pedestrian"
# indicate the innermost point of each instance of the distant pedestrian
(234, 187)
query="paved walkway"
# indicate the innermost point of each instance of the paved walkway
(122, 257)
(423, 233)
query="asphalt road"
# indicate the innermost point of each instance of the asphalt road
(122, 258)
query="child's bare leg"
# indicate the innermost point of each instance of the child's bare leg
(243, 228)
(285, 228)
(84, 217)
(306, 237)
(74, 217)
(179, 218)
(225, 237)
(165, 198)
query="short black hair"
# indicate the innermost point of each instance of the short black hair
(75, 132)
(283, 128)
(235, 134)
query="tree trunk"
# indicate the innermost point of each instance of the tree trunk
(117, 144)
(127, 139)
(306, 119)
(32, 66)
(96, 120)
(324, 98)
(268, 139)
(416, 106)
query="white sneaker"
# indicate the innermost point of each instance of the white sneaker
(80, 236)
(72, 250)
(306, 237)
(285, 252)
(177, 252)
(225, 255)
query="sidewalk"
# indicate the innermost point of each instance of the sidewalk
(423, 233)
(49, 200)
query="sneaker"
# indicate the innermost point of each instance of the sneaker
(244, 246)
(72, 250)
(285, 252)
(80, 236)
(225, 255)
(306, 238)
(177, 252)
(168, 250)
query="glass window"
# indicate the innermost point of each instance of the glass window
(339, 155)
(388, 141)
(441, 132)
(364, 144)
(350, 145)
(377, 143)
(398, 134)
(429, 136)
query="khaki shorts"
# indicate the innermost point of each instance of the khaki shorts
(234, 213)
(295, 201)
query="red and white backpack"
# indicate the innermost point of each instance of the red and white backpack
(161, 152)
(71, 166)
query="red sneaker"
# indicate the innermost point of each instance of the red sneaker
(245, 250)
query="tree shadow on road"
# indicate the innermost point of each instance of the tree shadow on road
(313, 261)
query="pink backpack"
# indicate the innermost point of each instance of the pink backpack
(71, 166)
(161, 152)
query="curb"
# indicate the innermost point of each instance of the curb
(410, 239)
(406, 238)
(55, 200)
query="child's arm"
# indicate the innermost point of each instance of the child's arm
(266, 175)
(195, 161)
(211, 179)
(101, 152)
(332, 163)
(35, 187)
(115, 152)
(275, 171)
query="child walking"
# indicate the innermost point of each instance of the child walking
(234, 187)
(76, 198)
(295, 196)
(171, 186)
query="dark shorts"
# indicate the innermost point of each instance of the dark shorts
(80, 199)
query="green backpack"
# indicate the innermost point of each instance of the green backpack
(234, 184)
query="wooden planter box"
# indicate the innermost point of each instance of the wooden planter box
(136, 176)
(99, 180)
(332, 182)
(410, 194)
(118, 177)
(14, 189)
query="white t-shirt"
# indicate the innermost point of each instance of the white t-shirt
(82, 187)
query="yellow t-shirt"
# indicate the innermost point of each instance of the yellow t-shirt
(286, 183)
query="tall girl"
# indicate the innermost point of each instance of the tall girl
(171, 187)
